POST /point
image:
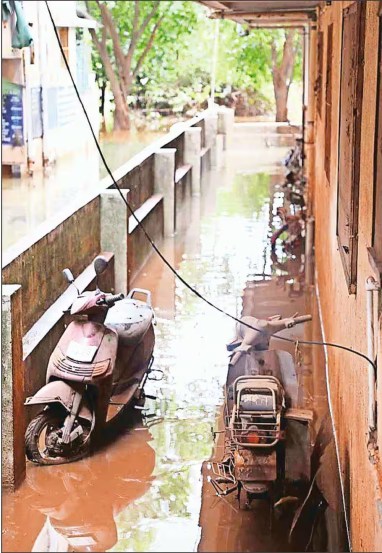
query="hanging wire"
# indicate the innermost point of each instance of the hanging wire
(155, 247)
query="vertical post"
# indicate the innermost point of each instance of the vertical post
(214, 63)
(114, 234)
(164, 183)
(226, 118)
(192, 147)
(372, 286)
(305, 87)
(217, 152)
(309, 144)
(211, 129)
(13, 417)
(309, 243)
(47, 153)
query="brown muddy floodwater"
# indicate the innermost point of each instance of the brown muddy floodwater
(146, 490)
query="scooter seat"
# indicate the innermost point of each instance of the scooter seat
(131, 319)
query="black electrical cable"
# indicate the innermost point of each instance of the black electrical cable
(155, 247)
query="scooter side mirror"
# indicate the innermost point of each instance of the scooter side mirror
(68, 275)
(70, 278)
(100, 264)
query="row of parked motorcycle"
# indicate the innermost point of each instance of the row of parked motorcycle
(267, 429)
(292, 214)
(106, 352)
(105, 357)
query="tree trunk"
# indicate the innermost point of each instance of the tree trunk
(121, 114)
(120, 73)
(281, 91)
(282, 75)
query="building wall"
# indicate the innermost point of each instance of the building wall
(344, 314)
(54, 124)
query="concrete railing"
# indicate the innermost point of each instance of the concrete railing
(156, 182)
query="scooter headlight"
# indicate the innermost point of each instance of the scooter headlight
(88, 370)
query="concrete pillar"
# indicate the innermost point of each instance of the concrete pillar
(164, 183)
(226, 119)
(311, 118)
(210, 129)
(114, 234)
(217, 152)
(13, 414)
(191, 155)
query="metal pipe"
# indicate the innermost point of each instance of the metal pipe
(43, 70)
(305, 87)
(309, 236)
(371, 287)
(27, 100)
(214, 63)
(282, 15)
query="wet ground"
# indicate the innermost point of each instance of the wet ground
(146, 490)
(29, 201)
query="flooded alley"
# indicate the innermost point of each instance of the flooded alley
(146, 489)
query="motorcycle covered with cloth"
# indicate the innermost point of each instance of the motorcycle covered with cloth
(267, 440)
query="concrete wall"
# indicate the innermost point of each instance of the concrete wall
(344, 314)
(72, 242)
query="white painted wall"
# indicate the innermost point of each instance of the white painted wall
(65, 127)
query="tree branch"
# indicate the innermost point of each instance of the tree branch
(136, 19)
(112, 77)
(148, 46)
(147, 19)
(274, 55)
(108, 23)
(288, 54)
(134, 40)
(137, 33)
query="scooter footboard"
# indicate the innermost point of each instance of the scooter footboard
(62, 393)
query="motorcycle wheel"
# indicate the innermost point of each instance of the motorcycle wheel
(41, 432)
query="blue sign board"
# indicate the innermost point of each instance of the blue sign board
(12, 132)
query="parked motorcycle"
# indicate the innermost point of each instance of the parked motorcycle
(267, 435)
(293, 226)
(294, 159)
(104, 357)
(292, 275)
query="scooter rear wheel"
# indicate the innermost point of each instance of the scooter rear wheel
(41, 433)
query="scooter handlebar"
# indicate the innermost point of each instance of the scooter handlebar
(110, 300)
(302, 319)
(279, 324)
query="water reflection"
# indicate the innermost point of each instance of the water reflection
(76, 504)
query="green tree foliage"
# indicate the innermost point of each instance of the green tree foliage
(130, 36)
(170, 65)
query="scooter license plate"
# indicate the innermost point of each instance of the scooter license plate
(81, 352)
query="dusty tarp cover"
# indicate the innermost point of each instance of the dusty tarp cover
(21, 37)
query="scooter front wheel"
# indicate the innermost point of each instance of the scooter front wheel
(42, 440)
